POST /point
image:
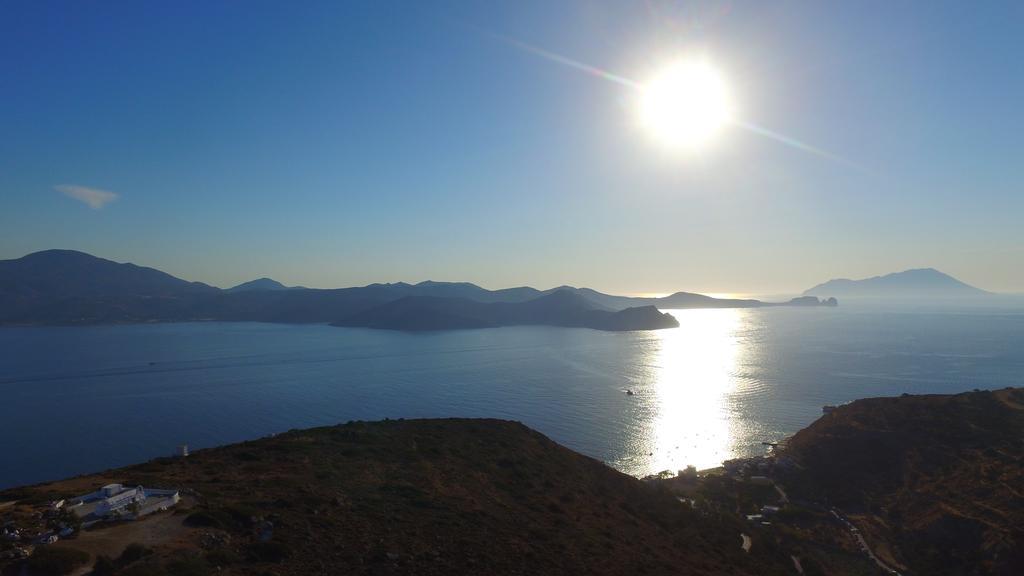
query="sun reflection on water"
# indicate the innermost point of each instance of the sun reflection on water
(690, 375)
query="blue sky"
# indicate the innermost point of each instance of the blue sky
(332, 144)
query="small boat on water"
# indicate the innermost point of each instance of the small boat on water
(629, 392)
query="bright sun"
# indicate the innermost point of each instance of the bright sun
(686, 104)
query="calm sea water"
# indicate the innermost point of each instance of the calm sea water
(76, 400)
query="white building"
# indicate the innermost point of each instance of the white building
(115, 500)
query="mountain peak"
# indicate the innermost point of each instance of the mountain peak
(52, 275)
(258, 284)
(60, 254)
(435, 283)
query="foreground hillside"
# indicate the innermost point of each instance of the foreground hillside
(414, 497)
(937, 481)
(919, 485)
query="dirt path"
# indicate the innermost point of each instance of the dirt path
(156, 529)
(855, 532)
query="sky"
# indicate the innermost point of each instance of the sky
(343, 143)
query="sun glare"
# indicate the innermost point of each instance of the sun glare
(686, 104)
(694, 368)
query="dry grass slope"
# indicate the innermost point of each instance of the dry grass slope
(940, 478)
(426, 497)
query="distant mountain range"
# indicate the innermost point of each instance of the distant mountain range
(918, 284)
(70, 287)
(559, 308)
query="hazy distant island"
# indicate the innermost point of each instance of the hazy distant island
(918, 484)
(71, 287)
(919, 284)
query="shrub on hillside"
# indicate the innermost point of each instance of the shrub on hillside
(205, 519)
(269, 551)
(104, 566)
(188, 567)
(132, 553)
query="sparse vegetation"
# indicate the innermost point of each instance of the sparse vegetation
(56, 561)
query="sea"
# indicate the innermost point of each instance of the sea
(77, 400)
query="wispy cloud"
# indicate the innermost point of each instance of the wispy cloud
(93, 197)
